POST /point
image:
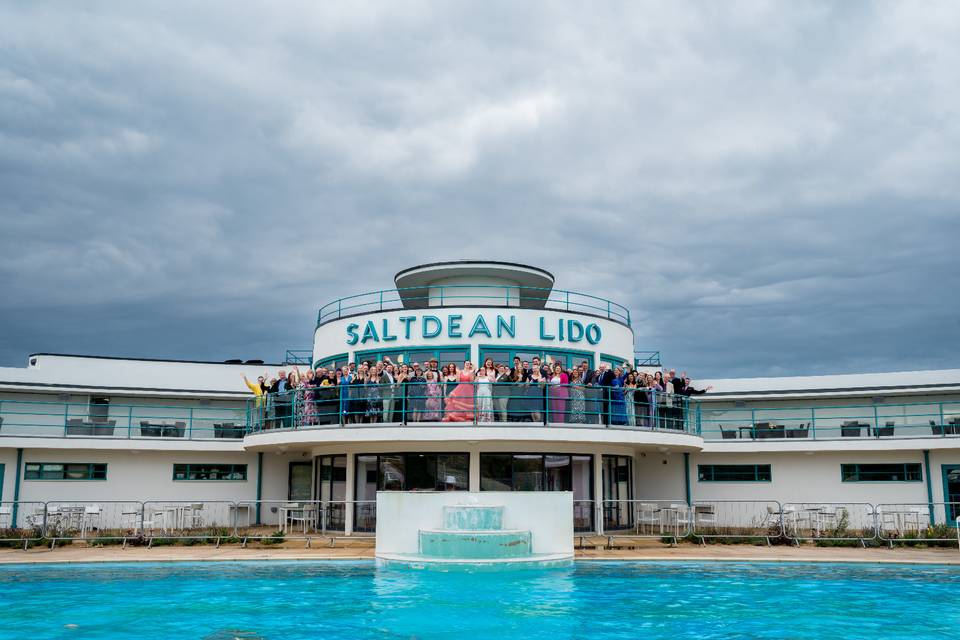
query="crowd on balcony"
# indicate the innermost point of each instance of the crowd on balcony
(534, 391)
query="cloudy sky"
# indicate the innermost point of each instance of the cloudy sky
(772, 188)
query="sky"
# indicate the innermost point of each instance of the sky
(773, 188)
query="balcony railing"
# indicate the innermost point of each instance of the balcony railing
(473, 295)
(876, 421)
(135, 421)
(646, 358)
(469, 404)
(299, 357)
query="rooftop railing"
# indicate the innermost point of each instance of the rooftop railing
(646, 358)
(472, 404)
(473, 295)
(29, 418)
(298, 357)
(877, 421)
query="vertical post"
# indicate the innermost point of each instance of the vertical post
(876, 422)
(339, 308)
(66, 416)
(473, 386)
(16, 489)
(813, 423)
(699, 424)
(190, 425)
(598, 494)
(943, 429)
(259, 483)
(381, 300)
(686, 477)
(753, 423)
(568, 300)
(926, 471)
(129, 421)
(403, 403)
(546, 404)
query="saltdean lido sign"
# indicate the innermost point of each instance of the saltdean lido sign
(454, 326)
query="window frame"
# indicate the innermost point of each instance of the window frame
(232, 465)
(702, 476)
(906, 468)
(92, 471)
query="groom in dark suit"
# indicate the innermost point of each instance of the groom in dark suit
(603, 378)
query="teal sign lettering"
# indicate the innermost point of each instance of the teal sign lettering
(550, 330)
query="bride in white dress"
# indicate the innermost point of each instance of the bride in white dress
(485, 379)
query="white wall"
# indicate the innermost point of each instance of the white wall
(401, 515)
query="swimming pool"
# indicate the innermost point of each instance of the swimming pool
(588, 600)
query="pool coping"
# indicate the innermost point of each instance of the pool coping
(774, 555)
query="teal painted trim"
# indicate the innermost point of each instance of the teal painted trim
(259, 483)
(434, 351)
(702, 468)
(539, 350)
(3, 468)
(858, 465)
(945, 470)
(186, 471)
(926, 468)
(686, 477)
(16, 488)
(90, 466)
(615, 361)
(328, 360)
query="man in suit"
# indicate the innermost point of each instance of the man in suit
(603, 378)
(586, 373)
(536, 365)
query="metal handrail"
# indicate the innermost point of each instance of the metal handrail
(298, 356)
(447, 296)
(40, 418)
(646, 358)
(522, 403)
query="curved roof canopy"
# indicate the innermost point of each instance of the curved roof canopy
(531, 284)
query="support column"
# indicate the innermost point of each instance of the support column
(474, 481)
(16, 489)
(598, 492)
(686, 478)
(259, 484)
(351, 493)
(926, 471)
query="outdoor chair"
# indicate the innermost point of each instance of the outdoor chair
(937, 429)
(886, 430)
(6, 513)
(851, 430)
(149, 430)
(800, 432)
(727, 434)
(704, 514)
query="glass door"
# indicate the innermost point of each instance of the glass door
(298, 487)
(617, 492)
(951, 492)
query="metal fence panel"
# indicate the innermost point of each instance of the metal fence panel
(646, 518)
(88, 520)
(918, 522)
(737, 519)
(829, 520)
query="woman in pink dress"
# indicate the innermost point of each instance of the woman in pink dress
(558, 391)
(460, 401)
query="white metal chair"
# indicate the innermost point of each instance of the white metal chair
(90, 518)
(6, 515)
(193, 515)
(704, 514)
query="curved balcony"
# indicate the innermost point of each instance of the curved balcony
(473, 295)
(508, 412)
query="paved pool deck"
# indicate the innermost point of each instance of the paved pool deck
(683, 552)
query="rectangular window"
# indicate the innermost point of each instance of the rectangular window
(733, 473)
(896, 472)
(65, 471)
(204, 471)
(411, 472)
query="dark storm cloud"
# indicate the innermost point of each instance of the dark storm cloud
(772, 187)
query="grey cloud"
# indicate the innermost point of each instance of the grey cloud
(771, 187)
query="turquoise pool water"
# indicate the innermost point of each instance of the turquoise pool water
(603, 600)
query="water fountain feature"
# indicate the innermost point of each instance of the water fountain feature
(476, 530)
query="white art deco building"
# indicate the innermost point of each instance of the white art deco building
(107, 431)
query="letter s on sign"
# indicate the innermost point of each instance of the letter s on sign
(352, 337)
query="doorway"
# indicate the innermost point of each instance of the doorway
(300, 481)
(951, 492)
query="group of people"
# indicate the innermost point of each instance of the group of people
(534, 391)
